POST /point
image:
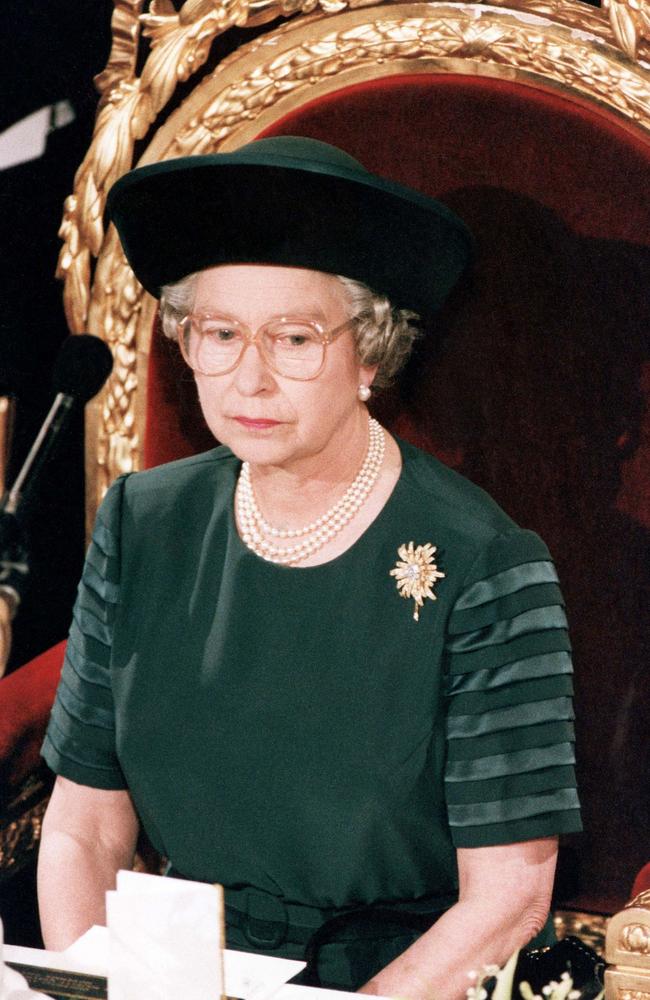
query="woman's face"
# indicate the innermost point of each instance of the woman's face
(263, 417)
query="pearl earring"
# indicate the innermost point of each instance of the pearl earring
(364, 393)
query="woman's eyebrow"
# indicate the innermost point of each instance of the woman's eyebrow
(312, 313)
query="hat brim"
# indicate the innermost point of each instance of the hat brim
(181, 216)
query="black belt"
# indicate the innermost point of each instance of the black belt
(267, 921)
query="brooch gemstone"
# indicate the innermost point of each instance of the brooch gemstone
(416, 574)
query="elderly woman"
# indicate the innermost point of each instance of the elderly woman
(314, 664)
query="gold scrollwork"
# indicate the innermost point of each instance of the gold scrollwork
(566, 43)
(179, 45)
(630, 22)
(125, 28)
(457, 33)
(635, 938)
(116, 311)
(627, 950)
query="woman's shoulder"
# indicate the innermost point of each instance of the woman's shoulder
(219, 461)
(192, 480)
(465, 515)
(453, 495)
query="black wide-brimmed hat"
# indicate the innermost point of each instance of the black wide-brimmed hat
(295, 202)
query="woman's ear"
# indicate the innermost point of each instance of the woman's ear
(367, 374)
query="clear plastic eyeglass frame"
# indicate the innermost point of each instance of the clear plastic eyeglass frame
(325, 337)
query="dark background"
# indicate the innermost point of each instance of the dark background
(49, 53)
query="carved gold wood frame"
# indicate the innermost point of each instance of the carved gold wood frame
(601, 57)
(627, 950)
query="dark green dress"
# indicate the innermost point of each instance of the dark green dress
(296, 730)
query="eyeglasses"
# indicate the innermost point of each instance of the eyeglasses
(213, 344)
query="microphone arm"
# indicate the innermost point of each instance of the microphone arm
(14, 564)
(45, 439)
(82, 366)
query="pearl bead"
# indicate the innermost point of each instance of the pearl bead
(312, 536)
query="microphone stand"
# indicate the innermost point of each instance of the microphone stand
(14, 566)
(82, 366)
(38, 452)
(13, 558)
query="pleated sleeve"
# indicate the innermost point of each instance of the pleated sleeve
(80, 739)
(509, 772)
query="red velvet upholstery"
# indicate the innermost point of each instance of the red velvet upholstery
(641, 882)
(26, 698)
(538, 393)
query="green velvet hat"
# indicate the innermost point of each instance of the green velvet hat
(295, 202)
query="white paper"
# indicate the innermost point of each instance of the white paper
(246, 975)
(165, 939)
(13, 986)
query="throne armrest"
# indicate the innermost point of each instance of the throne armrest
(26, 698)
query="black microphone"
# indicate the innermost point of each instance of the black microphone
(82, 366)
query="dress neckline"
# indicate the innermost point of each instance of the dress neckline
(336, 561)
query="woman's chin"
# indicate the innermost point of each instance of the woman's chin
(258, 445)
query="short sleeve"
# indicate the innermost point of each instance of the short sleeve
(80, 739)
(510, 740)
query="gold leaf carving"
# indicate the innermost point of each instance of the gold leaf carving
(456, 34)
(635, 938)
(74, 267)
(180, 42)
(565, 43)
(116, 312)
(630, 21)
(121, 63)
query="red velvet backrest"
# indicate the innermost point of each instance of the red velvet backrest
(540, 387)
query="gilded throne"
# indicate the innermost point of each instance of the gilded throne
(531, 119)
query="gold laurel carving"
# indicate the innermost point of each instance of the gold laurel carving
(125, 28)
(557, 41)
(455, 34)
(119, 123)
(635, 938)
(179, 45)
(180, 42)
(630, 22)
(116, 312)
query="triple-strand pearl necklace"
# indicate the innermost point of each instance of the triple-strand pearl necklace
(257, 532)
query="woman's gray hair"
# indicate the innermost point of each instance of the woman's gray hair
(383, 334)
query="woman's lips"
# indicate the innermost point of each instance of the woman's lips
(256, 424)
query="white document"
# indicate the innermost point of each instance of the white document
(165, 939)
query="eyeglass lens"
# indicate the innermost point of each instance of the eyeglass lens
(294, 348)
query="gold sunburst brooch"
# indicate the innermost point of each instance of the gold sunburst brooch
(416, 573)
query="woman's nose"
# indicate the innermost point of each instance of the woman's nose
(253, 374)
